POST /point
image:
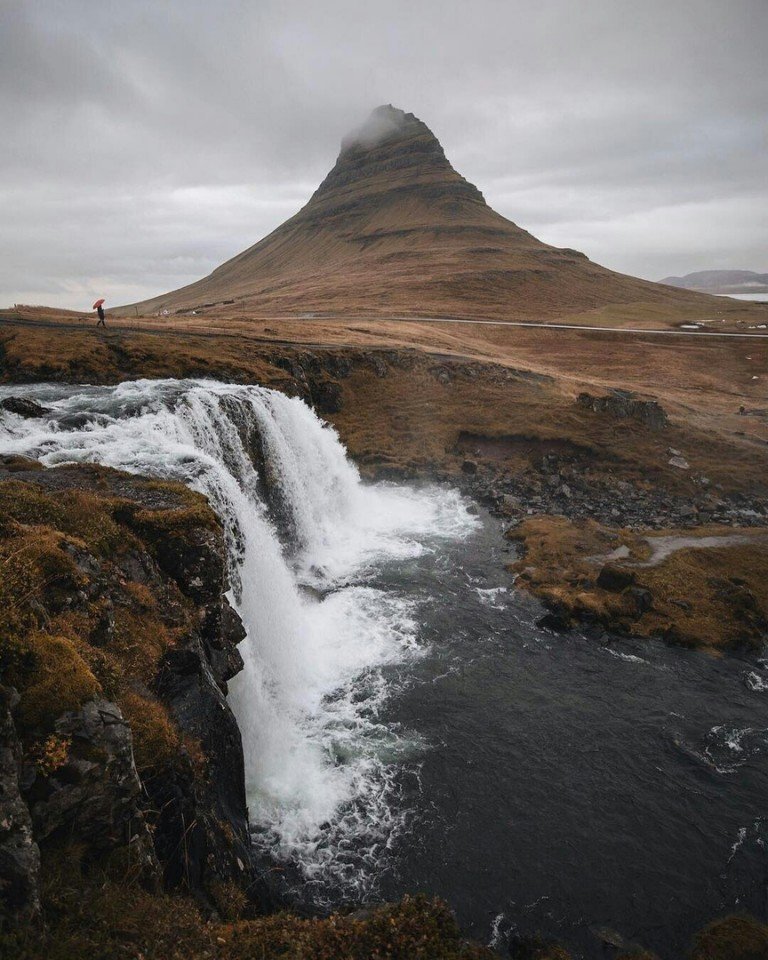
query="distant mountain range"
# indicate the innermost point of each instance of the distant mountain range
(721, 281)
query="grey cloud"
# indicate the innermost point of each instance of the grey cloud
(145, 142)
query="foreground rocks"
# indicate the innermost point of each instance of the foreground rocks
(569, 486)
(117, 637)
(86, 784)
(23, 407)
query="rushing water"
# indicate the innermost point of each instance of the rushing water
(405, 723)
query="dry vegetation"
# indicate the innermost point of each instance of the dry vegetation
(73, 624)
(411, 405)
(394, 230)
(414, 397)
(101, 912)
(417, 399)
(713, 596)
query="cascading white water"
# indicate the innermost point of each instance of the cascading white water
(319, 762)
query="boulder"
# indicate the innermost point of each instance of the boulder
(24, 407)
(615, 578)
(642, 599)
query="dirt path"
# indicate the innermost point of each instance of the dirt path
(195, 331)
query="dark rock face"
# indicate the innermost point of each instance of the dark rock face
(622, 404)
(23, 407)
(202, 830)
(182, 817)
(19, 854)
(326, 396)
(395, 149)
(95, 792)
(209, 816)
(642, 598)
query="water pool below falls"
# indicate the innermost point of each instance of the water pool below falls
(406, 725)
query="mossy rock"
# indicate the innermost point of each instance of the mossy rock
(156, 740)
(732, 938)
(52, 679)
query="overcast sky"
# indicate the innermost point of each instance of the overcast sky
(146, 142)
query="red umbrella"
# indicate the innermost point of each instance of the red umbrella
(98, 303)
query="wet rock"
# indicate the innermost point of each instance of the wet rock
(19, 854)
(326, 396)
(523, 947)
(24, 407)
(469, 466)
(201, 834)
(615, 578)
(93, 795)
(557, 619)
(623, 404)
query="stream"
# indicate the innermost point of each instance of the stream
(406, 725)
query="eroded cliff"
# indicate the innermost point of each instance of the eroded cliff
(117, 644)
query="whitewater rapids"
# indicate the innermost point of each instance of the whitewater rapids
(304, 535)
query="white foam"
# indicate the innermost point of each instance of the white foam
(491, 596)
(320, 764)
(628, 657)
(755, 682)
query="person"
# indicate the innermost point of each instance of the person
(100, 311)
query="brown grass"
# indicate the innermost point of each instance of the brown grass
(61, 580)
(411, 417)
(102, 914)
(738, 937)
(711, 597)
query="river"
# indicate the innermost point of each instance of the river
(406, 725)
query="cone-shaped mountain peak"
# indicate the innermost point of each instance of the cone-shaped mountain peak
(394, 230)
(393, 152)
(385, 124)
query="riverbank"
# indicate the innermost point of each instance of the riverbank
(631, 435)
(100, 878)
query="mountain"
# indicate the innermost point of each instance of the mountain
(721, 281)
(394, 229)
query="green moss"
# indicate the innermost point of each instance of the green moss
(79, 513)
(52, 678)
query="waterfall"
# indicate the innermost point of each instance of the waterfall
(304, 534)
